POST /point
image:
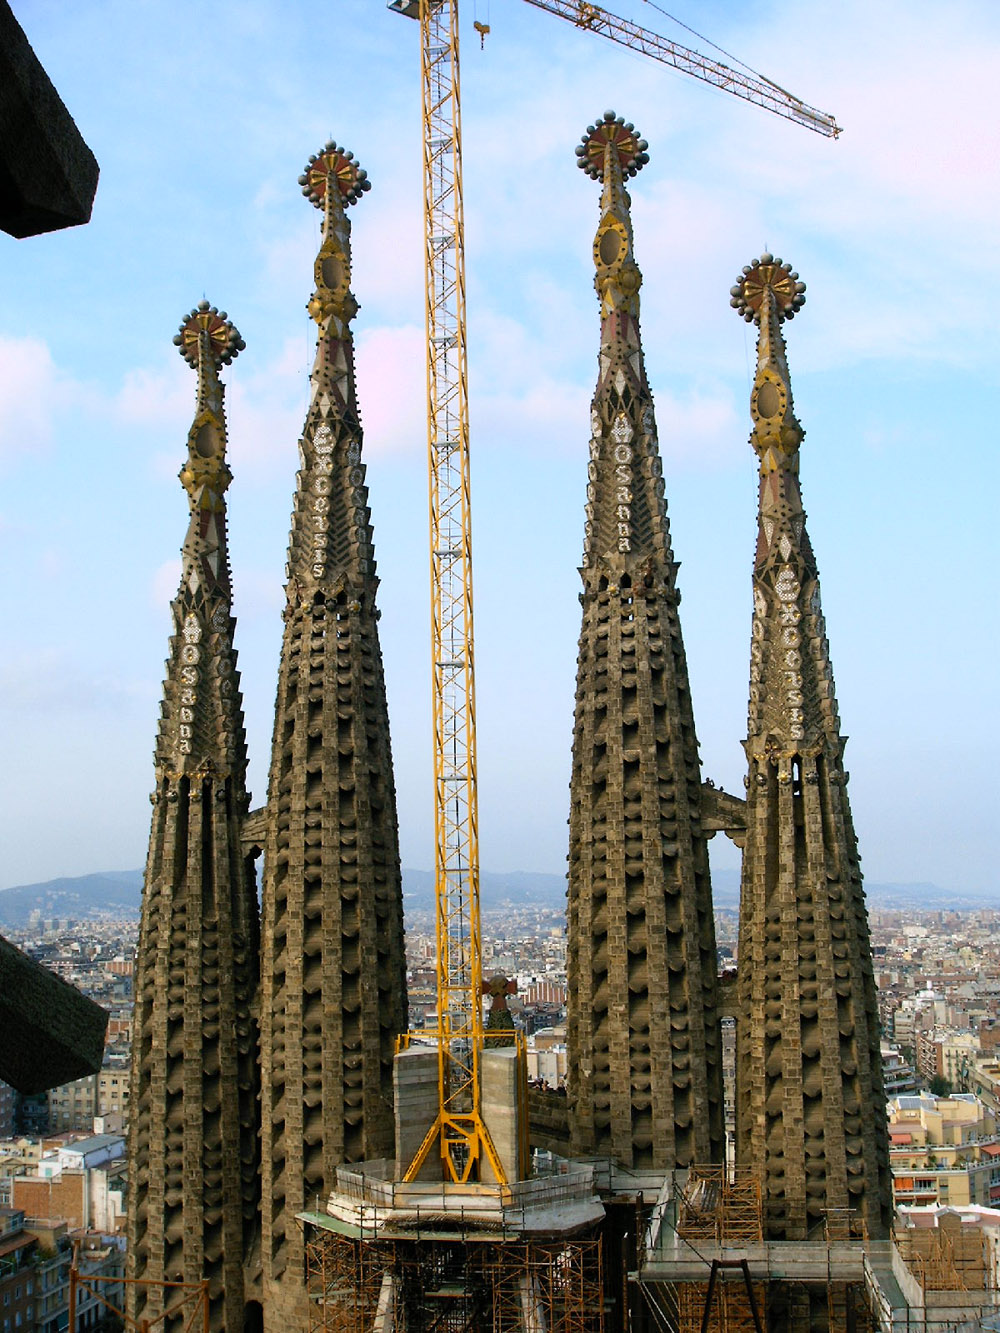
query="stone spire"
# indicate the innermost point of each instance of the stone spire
(810, 1102)
(333, 973)
(644, 1048)
(194, 1171)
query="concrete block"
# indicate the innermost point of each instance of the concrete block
(415, 1091)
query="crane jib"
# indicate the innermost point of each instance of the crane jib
(761, 91)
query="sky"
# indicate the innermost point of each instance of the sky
(203, 116)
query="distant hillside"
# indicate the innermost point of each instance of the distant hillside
(116, 893)
(105, 896)
(518, 888)
(928, 898)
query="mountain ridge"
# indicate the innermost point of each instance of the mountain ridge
(110, 894)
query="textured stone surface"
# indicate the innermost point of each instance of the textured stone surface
(415, 1089)
(194, 1178)
(502, 1110)
(810, 1102)
(48, 175)
(645, 1081)
(51, 1033)
(333, 966)
(548, 1118)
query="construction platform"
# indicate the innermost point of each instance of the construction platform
(387, 1256)
(370, 1204)
(705, 1265)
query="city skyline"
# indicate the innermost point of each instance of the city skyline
(201, 128)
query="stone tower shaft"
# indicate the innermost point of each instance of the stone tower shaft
(333, 972)
(643, 1036)
(194, 1169)
(810, 1101)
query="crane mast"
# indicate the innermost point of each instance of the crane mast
(459, 1130)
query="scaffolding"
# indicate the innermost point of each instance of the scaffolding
(721, 1204)
(847, 1305)
(706, 1267)
(848, 1309)
(948, 1257)
(452, 1282)
(185, 1304)
(728, 1306)
(344, 1281)
(547, 1285)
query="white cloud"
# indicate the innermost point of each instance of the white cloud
(546, 415)
(700, 427)
(920, 115)
(265, 408)
(387, 249)
(267, 404)
(392, 389)
(27, 386)
(893, 225)
(285, 247)
(163, 396)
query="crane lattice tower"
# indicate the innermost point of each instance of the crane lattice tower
(333, 969)
(194, 1169)
(810, 1102)
(645, 1083)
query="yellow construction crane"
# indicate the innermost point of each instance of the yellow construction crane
(459, 1132)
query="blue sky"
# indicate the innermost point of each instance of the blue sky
(202, 117)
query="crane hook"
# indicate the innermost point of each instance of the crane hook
(482, 29)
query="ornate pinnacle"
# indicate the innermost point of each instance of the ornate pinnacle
(332, 181)
(612, 151)
(336, 164)
(614, 133)
(207, 339)
(334, 507)
(208, 332)
(767, 293)
(202, 610)
(764, 275)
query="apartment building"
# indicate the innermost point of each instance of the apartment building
(17, 1273)
(73, 1105)
(943, 1151)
